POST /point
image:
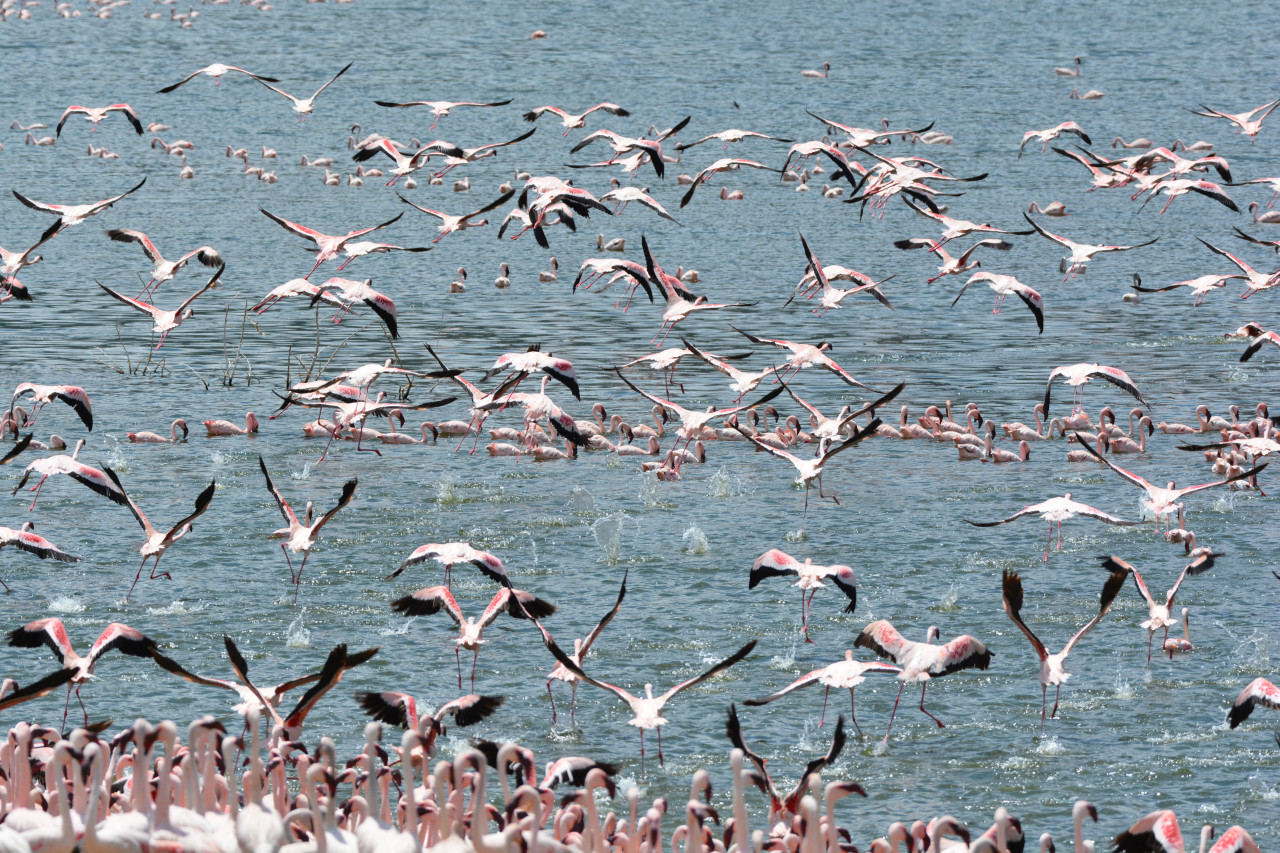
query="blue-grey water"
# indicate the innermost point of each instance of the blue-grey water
(1128, 740)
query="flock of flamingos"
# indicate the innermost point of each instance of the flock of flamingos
(145, 788)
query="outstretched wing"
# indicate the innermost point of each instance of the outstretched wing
(1110, 590)
(718, 668)
(285, 509)
(348, 490)
(202, 504)
(608, 617)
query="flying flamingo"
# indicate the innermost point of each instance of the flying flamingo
(1056, 511)
(41, 395)
(450, 224)
(922, 661)
(401, 709)
(432, 599)
(646, 710)
(1200, 287)
(1163, 502)
(730, 136)
(953, 228)
(808, 578)
(625, 195)
(580, 648)
(1004, 285)
(83, 474)
(1049, 134)
(779, 805)
(216, 71)
(1257, 280)
(1081, 253)
(810, 470)
(535, 361)
(156, 542)
(25, 540)
(450, 554)
(166, 321)
(831, 296)
(1244, 122)
(847, 673)
(164, 270)
(805, 355)
(727, 164)
(1257, 692)
(743, 382)
(328, 246)
(360, 291)
(302, 535)
(73, 214)
(950, 265)
(440, 109)
(1078, 375)
(335, 666)
(1159, 613)
(97, 114)
(1053, 666)
(303, 106)
(50, 632)
(12, 263)
(571, 120)
(369, 247)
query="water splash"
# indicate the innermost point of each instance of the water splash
(695, 541)
(1051, 746)
(446, 493)
(583, 501)
(608, 533)
(1124, 690)
(218, 458)
(400, 630)
(649, 495)
(304, 474)
(66, 604)
(115, 456)
(1256, 651)
(795, 535)
(950, 602)
(721, 485)
(296, 636)
(176, 608)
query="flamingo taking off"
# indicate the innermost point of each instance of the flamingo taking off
(25, 540)
(779, 805)
(847, 673)
(85, 475)
(571, 120)
(450, 224)
(1049, 134)
(1081, 253)
(922, 662)
(97, 114)
(450, 554)
(73, 214)
(1159, 612)
(1053, 666)
(302, 535)
(1244, 122)
(166, 321)
(1078, 375)
(1056, 511)
(1004, 285)
(808, 578)
(165, 270)
(328, 246)
(41, 395)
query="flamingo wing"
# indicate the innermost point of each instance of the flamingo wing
(211, 283)
(363, 231)
(49, 632)
(202, 504)
(419, 555)
(95, 480)
(781, 454)
(518, 604)
(429, 601)
(1241, 476)
(145, 307)
(127, 235)
(1127, 475)
(470, 709)
(1115, 564)
(1120, 379)
(348, 490)
(18, 448)
(733, 730)
(1098, 515)
(1235, 840)
(326, 85)
(1198, 566)
(608, 617)
(36, 689)
(330, 675)
(133, 507)
(964, 652)
(666, 404)
(1033, 301)
(183, 81)
(285, 509)
(1031, 510)
(1061, 241)
(120, 637)
(105, 203)
(573, 667)
(1258, 692)
(773, 563)
(884, 640)
(799, 684)
(714, 670)
(792, 801)
(1158, 832)
(398, 709)
(25, 540)
(172, 666)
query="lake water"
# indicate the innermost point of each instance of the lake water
(983, 73)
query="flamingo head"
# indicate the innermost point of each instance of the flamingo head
(932, 634)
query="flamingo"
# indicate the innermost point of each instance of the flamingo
(625, 195)
(432, 599)
(730, 136)
(832, 296)
(164, 270)
(440, 109)
(808, 578)
(844, 673)
(1053, 666)
(692, 422)
(450, 554)
(50, 632)
(328, 246)
(809, 72)
(302, 535)
(1260, 691)
(1078, 375)
(805, 355)
(810, 470)
(450, 224)
(1158, 831)
(922, 662)
(1053, 208)
(1162, 502)
(251, 696)
(1257, 280)
(1055, 511)
(950, 265)
(1235, 840)
(953, 228)
(83, 474)
(1049, 134)
(216, 71)
(166, 321)
(1180, 645)
(73, 214)
(580, 648)
(360, 291)
(1073, 71)
(1004, 285)
(1244, 122)
(781, 806)
(1200, 287)
(296, 287)
(646, 710)
(369, 247)
(1091, 95)
(1159, 613)
(41, 395)
(1081, 253)
(304, 106)
(157, 542)
(25, 540)
(12, 263)
(743, 382)
(97, 114)
(215, 428)
(533, 361)
(571, 120)
(727, 164)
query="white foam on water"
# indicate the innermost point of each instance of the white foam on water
(795, 535)
(176, 608)
(66, 604)
(608, 533)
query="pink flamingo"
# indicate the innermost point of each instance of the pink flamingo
(165, 270)
(147, 437)
(1159, 612)
(1257, 692)
(24, 540)
(97, 114)
(808, 577)
(216, 71)
(1055, 511)
(847, 673)
(328, 246)
(1077, 375)
(85, 475)
(450, 554)
(227, 428)
(41, 395)
(73, 214)
(302, 535)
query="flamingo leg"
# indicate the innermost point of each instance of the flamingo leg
(825, 694)
(660, 763)
(36, 489)
(926, 713)
(1056, 694)
(1150, 636)
(66, 708)
(1048, 542)
(1043, 688)
(155, 567)
(553, 702)
(457, 655)
(82, 707)
(297, 582)
(6, 586)
(137, 577)
(573, 698)
(642, 754)
(474, 658)
(894, 712)
(333, 432)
